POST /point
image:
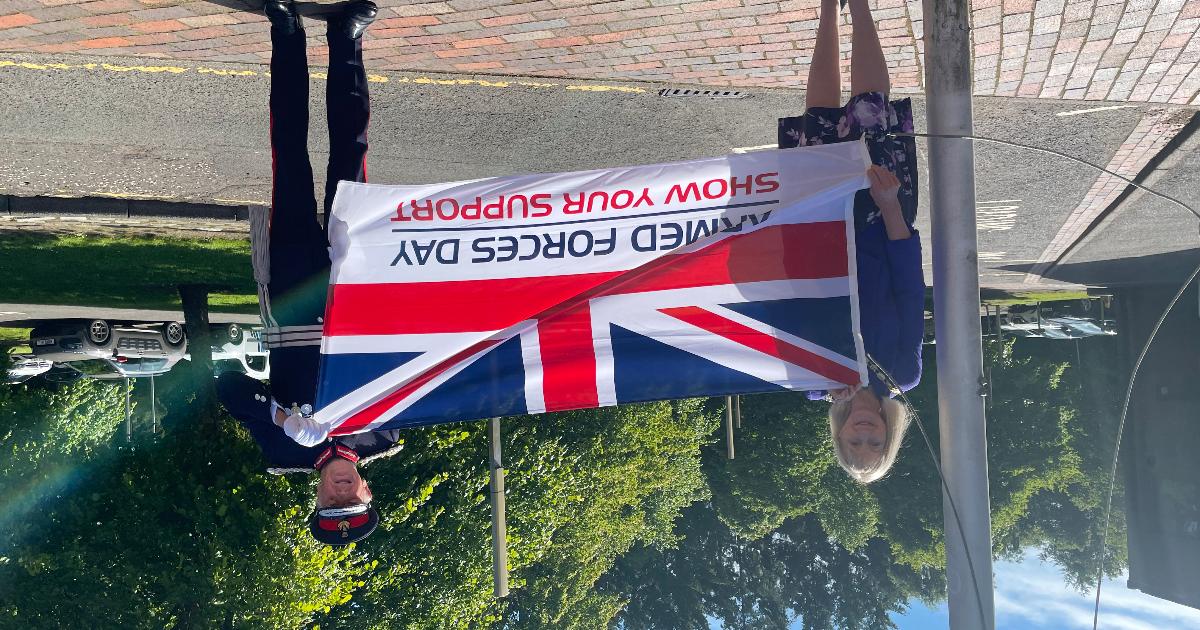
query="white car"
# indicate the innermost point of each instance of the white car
(24, 367)
(242, 351)
(74, 340)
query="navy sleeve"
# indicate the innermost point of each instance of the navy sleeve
(908, 292)
(237, 392)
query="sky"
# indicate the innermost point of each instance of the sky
(1031, 595)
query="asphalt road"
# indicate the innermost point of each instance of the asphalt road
(200, 134)
(1149, 239)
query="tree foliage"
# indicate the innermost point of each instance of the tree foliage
(629, 516)
(179, 532)
(784, 468)
(583, 487)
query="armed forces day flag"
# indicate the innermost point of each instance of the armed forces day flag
(537, 293)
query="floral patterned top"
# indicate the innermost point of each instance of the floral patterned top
(873, 116)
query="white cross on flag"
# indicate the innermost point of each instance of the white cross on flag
(536, 293)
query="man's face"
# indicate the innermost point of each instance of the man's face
(341, 485)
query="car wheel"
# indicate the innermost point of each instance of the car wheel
(99, 332)
(235, 333)
(174, 333)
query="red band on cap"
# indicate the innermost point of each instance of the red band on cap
(331, 524)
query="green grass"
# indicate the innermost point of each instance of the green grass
(124, 272)
(15, 340)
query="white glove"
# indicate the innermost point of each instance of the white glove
(305, 431)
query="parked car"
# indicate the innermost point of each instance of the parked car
(1081, 327)
(1026, 313)
(120, 367)
(24, 367)
(242, 350)
(128, 349)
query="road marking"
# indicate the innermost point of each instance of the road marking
(996, 216)
(760, 147)
(125, 195)
(1076, 112)
(229, 73)
(371, 78)
(25, 65)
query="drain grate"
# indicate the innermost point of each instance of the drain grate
(677, 93)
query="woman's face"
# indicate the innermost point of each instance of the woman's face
(865, 431)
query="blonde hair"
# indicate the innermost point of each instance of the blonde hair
(895, 416)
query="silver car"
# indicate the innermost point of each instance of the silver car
(144, 348)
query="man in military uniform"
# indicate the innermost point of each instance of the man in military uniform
(291, 266)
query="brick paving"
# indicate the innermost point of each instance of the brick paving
(1119, 50)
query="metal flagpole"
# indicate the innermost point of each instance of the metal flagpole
(729, 427)
(128, 414)
(948, 85)
(499, 532)
(153, 409)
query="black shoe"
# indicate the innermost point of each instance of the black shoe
(355, 18)
(283, 16)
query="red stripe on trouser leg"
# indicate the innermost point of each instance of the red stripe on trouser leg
(764, 343)
(568, 360)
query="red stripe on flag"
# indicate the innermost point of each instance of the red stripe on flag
(799, 251)
(778, 348)
(568, 360)
(793, 251)
(361, 419)
(453, 306)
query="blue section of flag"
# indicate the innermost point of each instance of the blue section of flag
(344, 373)
(492, 386)
(822, 321)
(647, 369)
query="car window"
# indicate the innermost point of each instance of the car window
(135, 365)
(93, 367)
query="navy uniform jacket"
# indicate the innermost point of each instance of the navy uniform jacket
(293, 380)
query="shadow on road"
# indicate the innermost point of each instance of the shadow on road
(1171, 267)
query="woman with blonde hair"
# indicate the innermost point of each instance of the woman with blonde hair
(866, 424)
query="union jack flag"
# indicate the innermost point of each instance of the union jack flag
(697, 297)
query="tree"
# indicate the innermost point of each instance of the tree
(798, 571)
(45, 432)
(583, 488)
(785, 468)
(182, 532)
(1047, 477)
